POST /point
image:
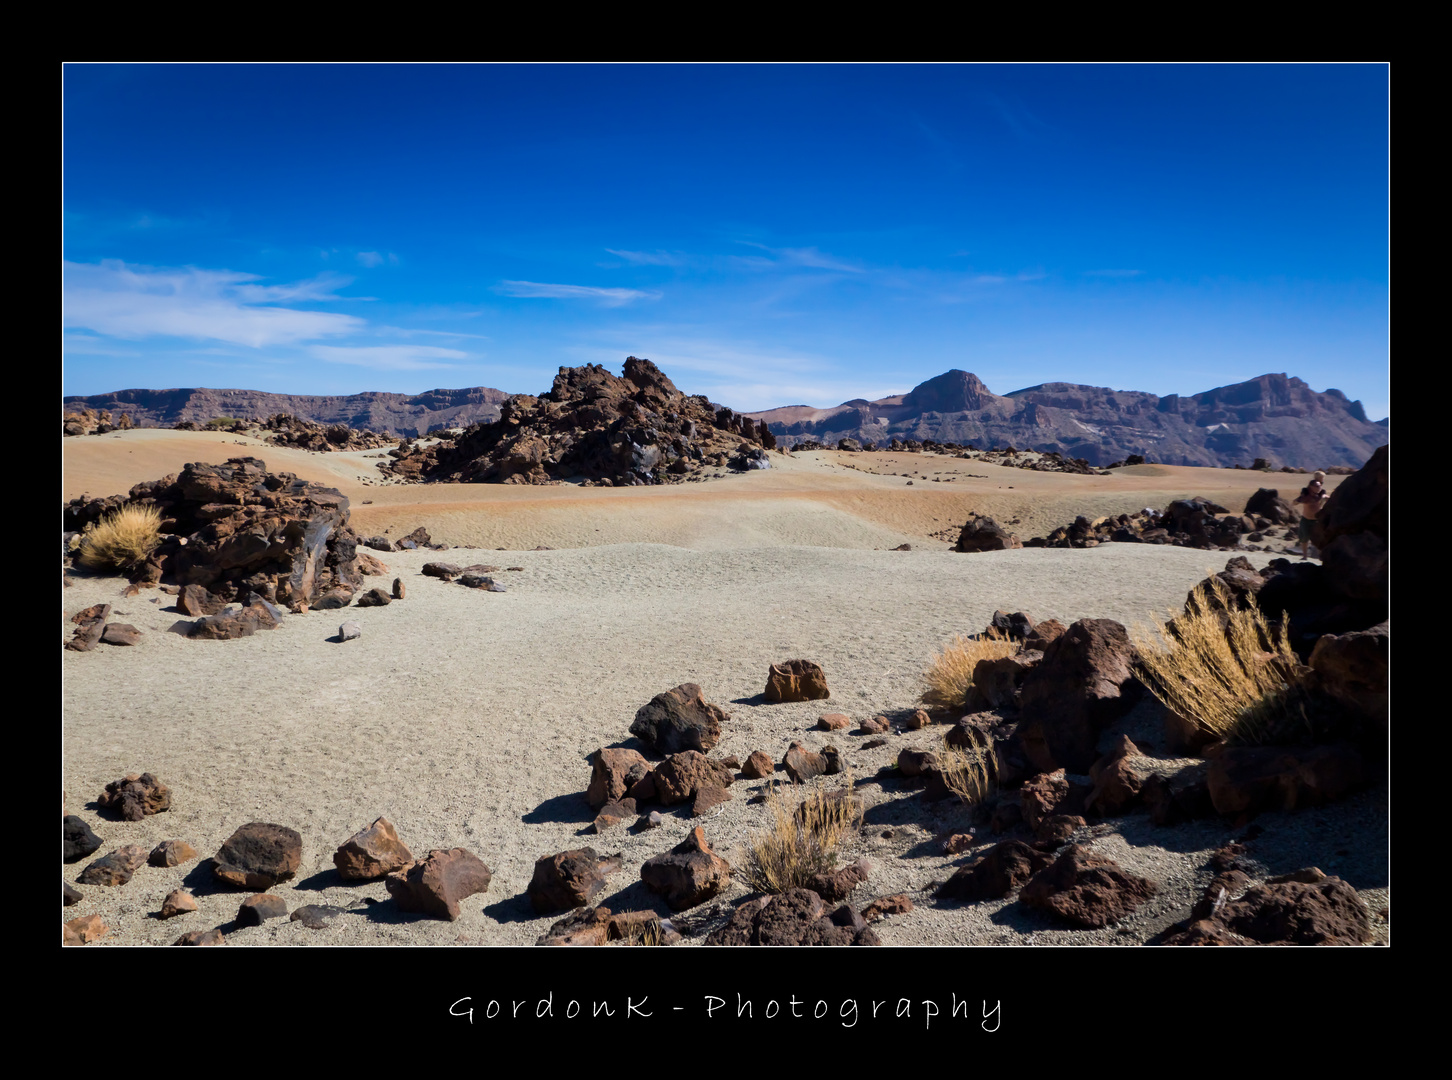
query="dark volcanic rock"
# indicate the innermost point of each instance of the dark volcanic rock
(371, 853)
(256, 910)
(77, 839)
(796, 917)
(994, 874)
(689, 874)
(795, 680)
(1327, 912)
(439, 883)
(1086, 889)
(984, 534)
(682, 775)
(634, 429)
(566, 880)
(135, 797)
(258, 855)
(679, 719)
(171, 853)
(116, 868)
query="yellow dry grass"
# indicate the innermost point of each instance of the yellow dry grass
(1225, 670)
(970, 773)
(950, 675)
(122, 538)
(800, 840)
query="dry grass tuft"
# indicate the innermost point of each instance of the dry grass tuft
(122, 538)
(971, 774)
(801, 840)
(950, 675)
(1223, 669)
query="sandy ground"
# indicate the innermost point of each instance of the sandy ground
(465, 717)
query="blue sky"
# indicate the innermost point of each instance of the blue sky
(769, 235)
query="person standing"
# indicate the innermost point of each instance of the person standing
(1310, 501)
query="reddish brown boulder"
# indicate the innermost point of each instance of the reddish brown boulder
(681, 775)
(981, 533)
(258, 855)
(202, 937)
(795, 680)
(796, 917)
(758, 765)
(834, 721)
(918, 720)
(178, 902)
(610, 770)
(883, 906)
(836, 885)
(84, 930)
(371, 853)
(1119, 778)
(1048, 794)
(567, 880)
(707, 798)
(70, 894)
(1205, 932)
(116, 868)
(1249, 779)
(374, 598)
(1085, 681)
(679, 719)
(256, 910)
(120, 634)
(436, 885)
(587, 927)
(171, 853)
(196, 601)
(1086, 889)
(996, 682)
(1353, 669)
(90, 625)
(1328, 912)
(1044, 634)
(802, 764)
(913, 762)
(875, 726)
(613, 813)
(135, 797)
(1053, 831)
(689, 874)
(994, 874)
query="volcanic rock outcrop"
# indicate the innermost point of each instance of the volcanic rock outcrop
(608, 430)
(304, 434)
(236, 529)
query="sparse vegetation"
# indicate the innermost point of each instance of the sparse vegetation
(122, 538)
(971, 774)
(800, 840)
(217, 423)
(950, 675)
(1223, 668)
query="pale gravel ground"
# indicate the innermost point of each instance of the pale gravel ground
(465, 717)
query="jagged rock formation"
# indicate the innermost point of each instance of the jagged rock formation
(613, 431)
(1274, 417)
(303, 434)
(91, 422)
(394, 414)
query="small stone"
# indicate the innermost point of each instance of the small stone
(834, 721)
(177, 902)
(958, 843)
(83, 930)
(919, 719)
(201, 937)
(171, 853)
(897, 904)
(114, 869)
(121, 634)
(878, 725)
(758, 765)
(374, 598)
(69, 894)
(349, 630)
(256, 910)
(315, 916)
(398, 589)
(373, 852)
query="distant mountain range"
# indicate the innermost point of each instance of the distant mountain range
(1275, 417)
(394, 414)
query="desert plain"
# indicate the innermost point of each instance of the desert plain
(466, 717)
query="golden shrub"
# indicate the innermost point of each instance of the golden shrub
(122, 538)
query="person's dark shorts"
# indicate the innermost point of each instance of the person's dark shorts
(1303, 531)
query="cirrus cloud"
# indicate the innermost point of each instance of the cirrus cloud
(538, 290)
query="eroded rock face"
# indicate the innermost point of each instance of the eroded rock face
(116, 868)
(438, 884)
(258, 856)
(795, 680)
(1327, 912)
(371, 853)
(1086, 889)
(614, 431)
(679, 719)
(304, 434)
(689, 874)
(682, 775)
(566, 880)
(611, 774)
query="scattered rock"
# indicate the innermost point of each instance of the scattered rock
(795, 680)
(567, 880)
(883, 906)
(374, 598)
(918, 720)
(1327, 912)
(994, 874)
(171, 853)
(178, 902)
(135, 797)
(586, 927)
(258, 856)
(114, 869)
(201, 937)
(372, 853)
(256, 910)
(689, 874)
(436, 885)
(120, 634)
(399, 592)
(84, 930)
(230, 625)
(834, 721)
(757, 766)
(836, 885)
(315, 916)
(796, 917)
(708, 797)
(611, 776)
(878, 725)
(77, 839)
(196, 601)
(349, 631)
(1086, 889)
(802, 764)
(984, 534)
(958, 843)
(679, 719)
(70, 894)
(613, 813)
(682, 775)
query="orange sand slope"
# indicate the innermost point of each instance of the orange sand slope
(822, 498)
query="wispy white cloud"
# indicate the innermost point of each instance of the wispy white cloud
(371, 259)
(1113, 273)
(129, 301)
(651, 258)
(808, 256)
(544, 291)
(388, 357)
